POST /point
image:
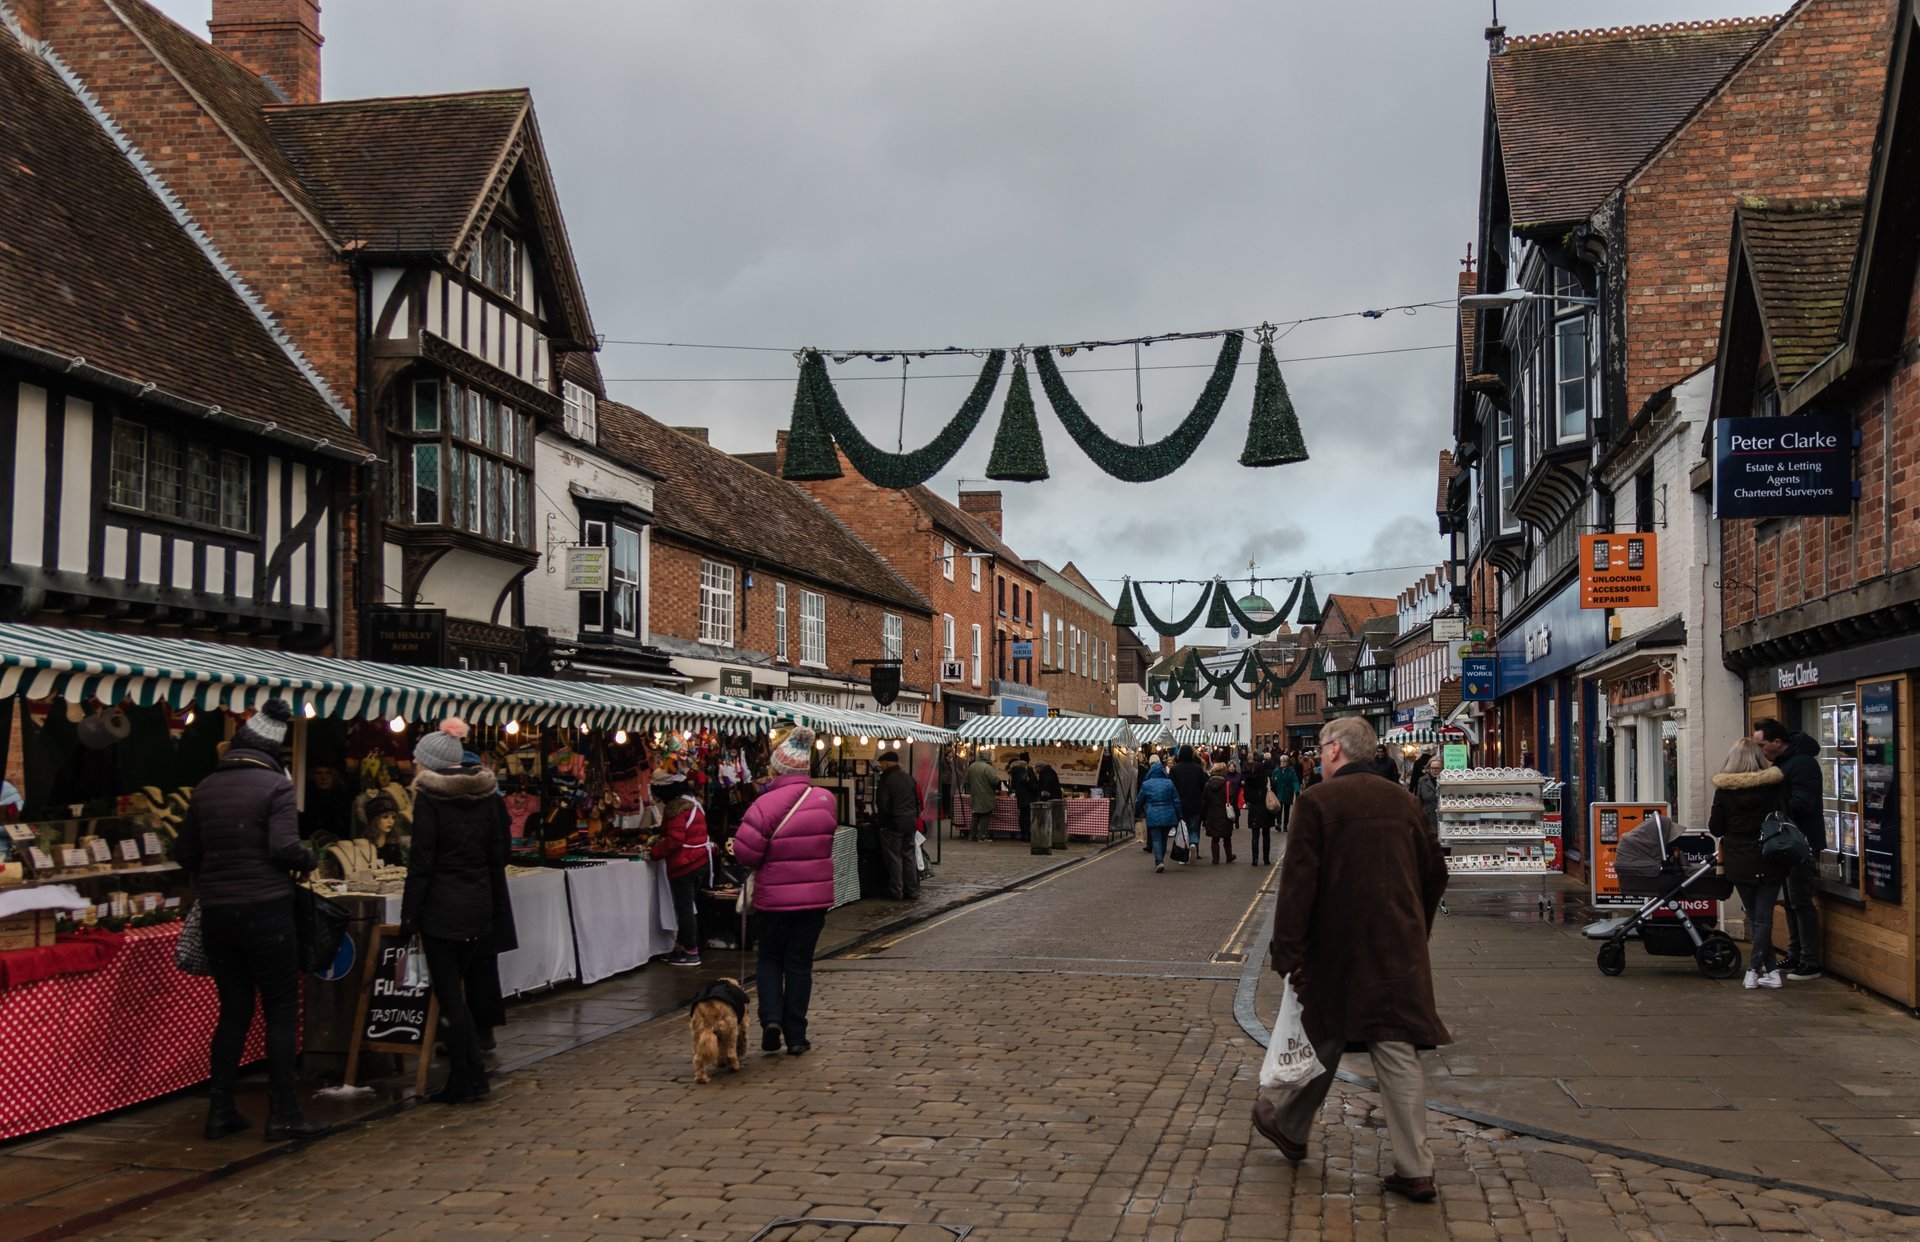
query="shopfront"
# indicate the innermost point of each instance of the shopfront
(1546, 712)
(1856, 704)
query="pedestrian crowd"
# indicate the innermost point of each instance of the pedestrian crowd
(1204, 793)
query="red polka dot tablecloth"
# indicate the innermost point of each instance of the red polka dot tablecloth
(80, 1045)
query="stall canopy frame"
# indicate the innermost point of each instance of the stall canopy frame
(846, 721)
(1046, 731)
(1422, 735)
(184, 673)
(1150, 734)
(1202, 737)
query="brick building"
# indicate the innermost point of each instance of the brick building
(983, 594)
(1290, 718)
(1820, 312)
(1077, 652)
(753, 588)
(1426, 671)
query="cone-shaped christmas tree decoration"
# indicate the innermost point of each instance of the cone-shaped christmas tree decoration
(1309, 613)
(1018, 456)
(1217, 618)
(1123, 617)
(1273, 436)
(810, 451)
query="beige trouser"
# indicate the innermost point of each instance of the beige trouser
(1403, 1091)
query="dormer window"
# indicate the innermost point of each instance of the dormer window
(495, 262)
(582, 417)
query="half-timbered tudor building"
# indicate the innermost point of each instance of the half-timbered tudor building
(168, 458)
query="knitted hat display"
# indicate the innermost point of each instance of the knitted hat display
(438, 752)
(266, 729)
(795, 754)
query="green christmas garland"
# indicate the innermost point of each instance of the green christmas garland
(1171, 629)
(1192, 674)
(820, 421)
(1260, 629)
(1142, 463)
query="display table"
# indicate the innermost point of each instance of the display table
(81, 1045)
(1088, 818)
(1006, 814)
(622, 916)
(543, 926)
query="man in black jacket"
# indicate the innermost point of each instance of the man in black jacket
(1189, 776)
(896, 812)
(1797, 757)
(1025, 785)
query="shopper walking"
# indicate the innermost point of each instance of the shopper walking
(1426, 787)
(1025, 785)
(983, 787)
(1159, 801)
(1234, 783)
(241, 842)
(684, 845)
(1214, 810)
(1363, 879)
(896, 808)
(1285, 783)
(456, 893)
(1797, 757)
(1189, 776)
(1254, 784)
(1385, 765)
(786, 838)
(1746, 790)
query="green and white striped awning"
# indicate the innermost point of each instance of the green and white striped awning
(844, 721)
(81, 665)
(1046, 731)
(1149, 734)
(1202, 737)
(1422, 735)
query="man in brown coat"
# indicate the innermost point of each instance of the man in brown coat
(1359, 886)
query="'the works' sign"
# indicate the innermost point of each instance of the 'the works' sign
(1782, 467)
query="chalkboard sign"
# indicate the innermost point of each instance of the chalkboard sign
(392, 1016)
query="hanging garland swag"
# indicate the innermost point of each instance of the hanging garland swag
(820, 422)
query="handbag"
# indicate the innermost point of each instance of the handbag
(744, 902)
(1273, 801)
(319, 925)
(411, 972)
(190, 951)
(1782, 842)
(1290, 1061)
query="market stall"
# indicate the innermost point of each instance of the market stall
(1200, 737)
(112, 733)
(1092, 755)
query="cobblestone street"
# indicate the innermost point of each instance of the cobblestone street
(1027, 1067)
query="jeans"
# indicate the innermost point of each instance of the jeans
(1281, 816)
(1157, 837)
(1262, 847)
(1803, 918)
(785, 968)
(448, 962)
(1759, 900)
(252, 950)
(686, 915)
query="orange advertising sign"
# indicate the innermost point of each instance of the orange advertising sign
(1619, 571)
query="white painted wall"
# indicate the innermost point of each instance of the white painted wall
(560, 463)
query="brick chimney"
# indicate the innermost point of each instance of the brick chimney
(983, 505)
(1167, 646)
(279, 40)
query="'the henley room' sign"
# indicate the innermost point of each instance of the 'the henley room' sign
(1782, 467)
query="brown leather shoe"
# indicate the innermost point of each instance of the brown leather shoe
(1418, 1189)
(1263, 1121)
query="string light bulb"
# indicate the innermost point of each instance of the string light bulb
(863, 739)
(310, 711)
(398, 724)
(836, 739)
(619, 737)
(189, 717)
(820, 743)
(513, 728)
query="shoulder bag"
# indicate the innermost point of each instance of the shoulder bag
(744, 902)
(1782, 842)
(190, 951)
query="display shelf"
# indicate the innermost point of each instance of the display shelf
(1495, 808)
(1517, 869)
(74, 877)
(1534, 833)
(1475, 823)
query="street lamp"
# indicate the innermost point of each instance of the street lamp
(1513, 297)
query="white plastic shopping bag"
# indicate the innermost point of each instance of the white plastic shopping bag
(1290, 1060)
(920, 852)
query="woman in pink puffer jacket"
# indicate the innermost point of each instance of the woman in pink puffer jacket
(786, 837)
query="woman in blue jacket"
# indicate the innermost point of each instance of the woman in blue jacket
(1161, 803)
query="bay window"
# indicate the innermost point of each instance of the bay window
(813, 628)
(1570, 353)
(461, 458)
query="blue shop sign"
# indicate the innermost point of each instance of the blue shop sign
(1553, 638)
(1404, 716)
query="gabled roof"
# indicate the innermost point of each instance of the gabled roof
(1358, 609)
(1072, 584)
(719, 501)
(94, 265)
(1800, 257)
(970, 530)
(1577, 111)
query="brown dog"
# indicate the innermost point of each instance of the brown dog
(719, 1027)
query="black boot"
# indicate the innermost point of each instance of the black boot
(286, 1121)
(222, 1117)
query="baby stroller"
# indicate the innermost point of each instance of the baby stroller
(1668, 873)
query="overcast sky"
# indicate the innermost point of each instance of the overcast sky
(864, 175)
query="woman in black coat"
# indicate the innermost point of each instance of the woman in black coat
(1745, 791)
(241, 842)
(456, 895)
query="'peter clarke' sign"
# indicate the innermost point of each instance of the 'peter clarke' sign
(1619, 571)
(1782, 467)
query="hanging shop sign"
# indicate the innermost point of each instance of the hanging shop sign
(736, 681)
(1477, 678)
(589, 568)
(1449, 629)
(411, 636)
(1879, 774)
(1023, 649)
(1619, 571)
(1783, 467)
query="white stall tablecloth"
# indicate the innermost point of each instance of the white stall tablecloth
(846, 866)
(543, 925)
(622, 916)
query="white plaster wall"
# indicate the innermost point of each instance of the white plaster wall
(558, 464)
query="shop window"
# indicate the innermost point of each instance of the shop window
(716, 603)
(1833, 720)
(813, 628)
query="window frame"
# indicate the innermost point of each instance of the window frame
(230, 474)
(976, 654)
(946, 559)
(813, 624)
(1046, 639)
(893, 636)
(948, 652)
(1577, 317)
(780, 648)
(974, 573)
(718, 591)
(483, 464)
(582, 412)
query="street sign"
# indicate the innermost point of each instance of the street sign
(1477, 678)
(589, 568)
(1619, 571)
(1782, 467)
